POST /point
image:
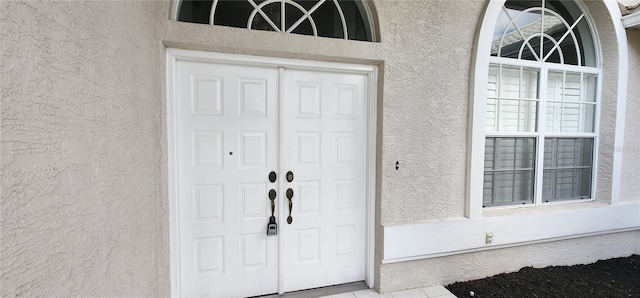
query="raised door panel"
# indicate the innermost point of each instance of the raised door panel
(227, 137)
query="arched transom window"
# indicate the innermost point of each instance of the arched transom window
(346, 19)
(541, 105)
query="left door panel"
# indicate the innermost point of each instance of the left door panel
(227, 130)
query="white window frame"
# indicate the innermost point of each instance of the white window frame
(540, 134)
(477, 115)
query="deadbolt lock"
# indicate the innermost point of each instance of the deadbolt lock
(289, 176)
(272, 177)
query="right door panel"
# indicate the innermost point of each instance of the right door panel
(324, 145)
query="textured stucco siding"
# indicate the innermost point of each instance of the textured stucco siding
(78, 117)
(630, 186)
(608, 97)
(426, 106)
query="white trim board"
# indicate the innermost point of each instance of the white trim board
(211, 57)
(174, 55)
(424, 240)
(632, 20)
(623, 77)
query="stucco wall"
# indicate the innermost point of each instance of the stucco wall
(608, 97)
(425, 106)
(630, 186)
(79, 173)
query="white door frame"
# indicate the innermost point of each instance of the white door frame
(175, 55)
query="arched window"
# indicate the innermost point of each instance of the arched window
(542, 101)
(345, 19)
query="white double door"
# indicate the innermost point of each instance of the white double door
(235, 125)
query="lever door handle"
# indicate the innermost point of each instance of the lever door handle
(290, 197)
(272, 226)
(272, 197)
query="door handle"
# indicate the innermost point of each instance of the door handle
(290, 197)
(272, 227)
(272, 197)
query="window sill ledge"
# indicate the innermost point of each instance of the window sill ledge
(550, 207)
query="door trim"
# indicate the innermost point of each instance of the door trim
(175, 55)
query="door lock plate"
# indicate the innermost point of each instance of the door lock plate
(272, 227)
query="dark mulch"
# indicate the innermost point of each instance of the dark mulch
(619, 277)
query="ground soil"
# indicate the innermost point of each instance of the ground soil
(619, 277)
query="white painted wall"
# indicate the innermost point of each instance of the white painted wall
(84, 174)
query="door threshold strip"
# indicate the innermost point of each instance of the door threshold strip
(324, 291)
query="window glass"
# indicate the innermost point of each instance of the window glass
(195, 11)
(568, 164)
(241, 11)
(335, 19)
(512, 99)
(509, 171)
(570, 102)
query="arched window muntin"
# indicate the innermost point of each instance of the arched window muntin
(542, 35)
(547, 153)
(542, 22)
(260, 15)
(282, 28)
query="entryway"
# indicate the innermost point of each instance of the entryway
(260, 144)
